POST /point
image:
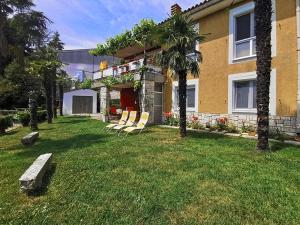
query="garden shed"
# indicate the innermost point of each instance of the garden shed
(83, 101)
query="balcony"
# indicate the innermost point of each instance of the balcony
(132, 67)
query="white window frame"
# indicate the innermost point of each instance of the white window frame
(250, 107)
(251, 39)
(233, 78)
(193, 82)
(239, 11)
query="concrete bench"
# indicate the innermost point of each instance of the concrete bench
(30, 138)
(32, 179)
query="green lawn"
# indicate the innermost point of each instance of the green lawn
(153, 178)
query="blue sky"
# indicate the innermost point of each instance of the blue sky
(84, 23)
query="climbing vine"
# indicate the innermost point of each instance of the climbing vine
(125, 78)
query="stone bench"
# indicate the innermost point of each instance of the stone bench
(32, 179)
(30, 138)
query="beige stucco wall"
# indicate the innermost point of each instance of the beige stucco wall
(215, 68)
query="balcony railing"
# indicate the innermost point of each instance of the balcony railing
(125, 68)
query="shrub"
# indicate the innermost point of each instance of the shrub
(171, 119)
(231, 128)
(41, 115)
(247, 128)
(24, 118)
(194, 123)
(222, 124)
(5, 122)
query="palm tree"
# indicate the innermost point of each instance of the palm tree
(263, 19)
(178, 38)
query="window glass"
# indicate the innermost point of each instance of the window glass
(254, 94)
(242, 94)
(190, 94)
(243, 27)
(158, 87)
(243, 49)
(245, 94)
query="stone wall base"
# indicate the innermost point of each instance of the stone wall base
(282, 123)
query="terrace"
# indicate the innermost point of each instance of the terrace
(148, 99)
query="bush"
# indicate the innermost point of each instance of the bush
(194, 123)
(24, 118)
(41, 116)
(231, 128)
(5, 122)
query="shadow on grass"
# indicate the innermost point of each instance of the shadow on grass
(74, 120)
(278, 146)
(46, 182)
(43, 146)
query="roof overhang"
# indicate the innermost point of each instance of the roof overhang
(132, 50)
(209, 7)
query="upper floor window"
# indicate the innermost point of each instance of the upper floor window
(245, 39)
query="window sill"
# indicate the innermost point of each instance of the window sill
(250, 111)
(243, 59)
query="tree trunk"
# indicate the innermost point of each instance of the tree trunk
(48, 97)
(54, 108)
(33, 111)
(182, 102)
(263, 18)
(61, 98)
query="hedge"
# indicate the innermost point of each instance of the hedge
(24, 118)
(5, 122)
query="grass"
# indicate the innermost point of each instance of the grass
(153, 178)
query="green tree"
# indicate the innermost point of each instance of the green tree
(263, 28)
(56, 45)
(22, 30)
(33, 111)
(143, 35)
(44, 62)
(64, 83)
(178, 38)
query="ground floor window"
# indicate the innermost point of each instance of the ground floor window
(242, 93)
(191, 96)
(245, 94)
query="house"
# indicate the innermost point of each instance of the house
(80, 65)
(226, 86)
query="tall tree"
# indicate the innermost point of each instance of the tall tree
(64, 83)
(33, 110)
(178, 38)
(22, 30)
(263, 19)
(57, 45)
(44, 62)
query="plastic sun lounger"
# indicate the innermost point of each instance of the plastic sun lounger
(130, 122)
(140, 125)
(122, 121)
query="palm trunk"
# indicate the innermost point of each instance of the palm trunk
(48, 96)
(263, 17)
(61, 97)
(182, 102)
(33, 111)
(54, 108)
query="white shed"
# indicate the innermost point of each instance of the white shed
(83, 101)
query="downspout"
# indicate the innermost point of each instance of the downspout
(298, 67)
